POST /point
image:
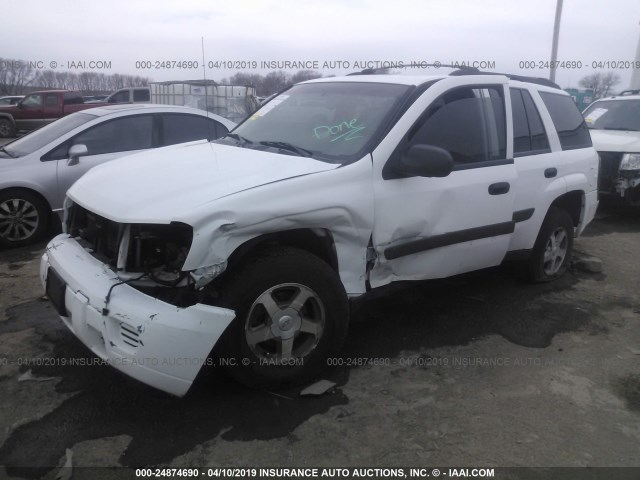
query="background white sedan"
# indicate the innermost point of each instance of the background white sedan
(36, 170)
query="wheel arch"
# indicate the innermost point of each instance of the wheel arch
(29, 190)
(7, 116)
(317, 241)
(573, 203)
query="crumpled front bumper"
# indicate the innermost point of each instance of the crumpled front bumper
(152, 341)
(628, 186)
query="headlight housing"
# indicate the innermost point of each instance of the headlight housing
(630, 161)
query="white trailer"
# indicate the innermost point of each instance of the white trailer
(230, 101)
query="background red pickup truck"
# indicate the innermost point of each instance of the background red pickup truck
(38, 109)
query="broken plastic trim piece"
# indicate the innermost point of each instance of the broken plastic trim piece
(204, 275)
(626, 182)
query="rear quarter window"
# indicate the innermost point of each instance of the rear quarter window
(570, 125)
(529, 136)
(72, 98)
(180, 128)
(141, 95)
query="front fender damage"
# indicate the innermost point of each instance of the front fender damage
(338, 201)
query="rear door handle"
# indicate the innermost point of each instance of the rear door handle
(499, 188)
(550, 172)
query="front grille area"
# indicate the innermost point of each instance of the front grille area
(609, 171)
(159, 251)
(98, 234)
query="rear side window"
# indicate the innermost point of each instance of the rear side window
(539, 140)
(120, 97)
(571, 128)
(141, 95)
(180, 128)
(51, 101)
(468, 122)
(72, 98)
(529, 136)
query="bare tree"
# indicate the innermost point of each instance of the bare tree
(600, 83)
(274, 82)
(15, 75)
(46, 79)
(303, 75)
(246, 79)
(140, 81)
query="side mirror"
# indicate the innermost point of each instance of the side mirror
(75, 152)
(425, 161)
(20, 105)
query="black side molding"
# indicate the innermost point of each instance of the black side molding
(487, 163)
(450, 238)
(522, 215)
(517, 255)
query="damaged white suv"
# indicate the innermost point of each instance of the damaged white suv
(248, 248)
(614, 123)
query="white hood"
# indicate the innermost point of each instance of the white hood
(167, 184)
(615, 141)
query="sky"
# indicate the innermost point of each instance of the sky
(334, 37)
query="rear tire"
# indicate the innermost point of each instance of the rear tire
(292, 314)
(554, 245)
(7, 130)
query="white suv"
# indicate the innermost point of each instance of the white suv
(254, 243)
(614, 123)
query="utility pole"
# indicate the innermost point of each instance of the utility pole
(554, 46)
(635, 73)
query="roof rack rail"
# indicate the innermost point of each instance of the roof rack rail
(629, 92)
(465, 70)
(520, 78)
(383, 70)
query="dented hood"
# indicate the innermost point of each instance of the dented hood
(169, 184)
(615, 140)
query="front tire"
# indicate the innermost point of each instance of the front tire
(554, 245)
(292, 313)
(24, 218)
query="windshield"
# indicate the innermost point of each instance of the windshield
(614, 115)
(43, 136)
(333, 122)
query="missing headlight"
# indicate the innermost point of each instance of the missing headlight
(159, 250)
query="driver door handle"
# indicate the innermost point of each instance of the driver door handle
(499, 188)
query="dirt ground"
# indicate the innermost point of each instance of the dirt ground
(480, 370)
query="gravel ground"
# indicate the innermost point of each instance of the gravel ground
(478, 370)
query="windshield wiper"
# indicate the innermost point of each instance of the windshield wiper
(235, 136)
(303, 152)
(2, 149)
